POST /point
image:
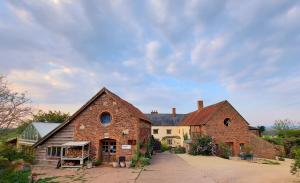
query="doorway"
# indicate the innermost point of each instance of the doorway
(108, 150)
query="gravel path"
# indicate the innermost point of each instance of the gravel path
(173, 168)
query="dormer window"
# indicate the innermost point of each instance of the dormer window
(227, 122)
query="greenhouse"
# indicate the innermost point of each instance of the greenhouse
(33, 132)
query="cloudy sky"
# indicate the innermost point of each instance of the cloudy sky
(156, 54)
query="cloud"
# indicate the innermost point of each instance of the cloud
(156, 54)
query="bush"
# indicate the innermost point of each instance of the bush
(224, 150)
(296, 165)
(144, 161)
(97, 162)
(179, 150)
(248, 149)
(203, 146)
(11, 153)
(4, 163)
(165, 146)
(9, 175)
(138, 159)
(274, 140)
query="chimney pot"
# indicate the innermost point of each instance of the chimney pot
(200, 105)
(174, 112)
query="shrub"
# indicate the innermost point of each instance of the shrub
(274, 140)
(138, 159)
(97, 162)
(157, 145)
(11, 153)
(144, 161)
(4, 162)
(203, 146)
(185, 136)
(179, 150)
(165, 146)
(224, 150)
(296, 164)
(248, 149)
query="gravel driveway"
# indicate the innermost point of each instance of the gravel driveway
(166, 167)
(184, 168)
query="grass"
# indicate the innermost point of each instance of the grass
(267, 162)
(6, 134)
(47, 180)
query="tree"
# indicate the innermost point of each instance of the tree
(285, 124)
(14, 106)
(261, 129)
(50, 116)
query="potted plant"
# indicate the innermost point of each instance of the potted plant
(248, 152)
(122, 164)
(128, 164)
(89, 164)
(115, 164)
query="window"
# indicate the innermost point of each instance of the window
(155, 131)
(131, 142)
(169, 131)
(54, 151)
(105, 118)
(169, 141)
(227, 122)
(242, 146)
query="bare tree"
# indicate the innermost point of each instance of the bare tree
(14, 106)
(285, 124)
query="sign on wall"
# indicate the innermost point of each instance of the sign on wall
(126, 147)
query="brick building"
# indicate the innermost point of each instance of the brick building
(225, 124)
(111, 126)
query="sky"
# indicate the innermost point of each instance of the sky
(156, 54)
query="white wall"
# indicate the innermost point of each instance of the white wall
(175, 131)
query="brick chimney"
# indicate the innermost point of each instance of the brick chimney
(200, 105)
(174, 112)
(154, 112)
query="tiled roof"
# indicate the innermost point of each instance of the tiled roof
(165, 119)
(202, 116)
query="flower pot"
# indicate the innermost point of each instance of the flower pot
(122, 164)
(128, 164)
(115, 164)
(89, 165)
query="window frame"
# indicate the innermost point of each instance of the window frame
(102, 122)
(51, 149)
(169, 130)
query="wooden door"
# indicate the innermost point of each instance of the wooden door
(108, 150)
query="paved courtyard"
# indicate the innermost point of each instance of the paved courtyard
(171, 168)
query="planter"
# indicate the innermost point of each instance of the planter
(128, 164)
(115, 164)
(122, 164)
(89, 165)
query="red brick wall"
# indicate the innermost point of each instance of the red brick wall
(145, 131)
(89, 128)
(263, 148)
(236, 133)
